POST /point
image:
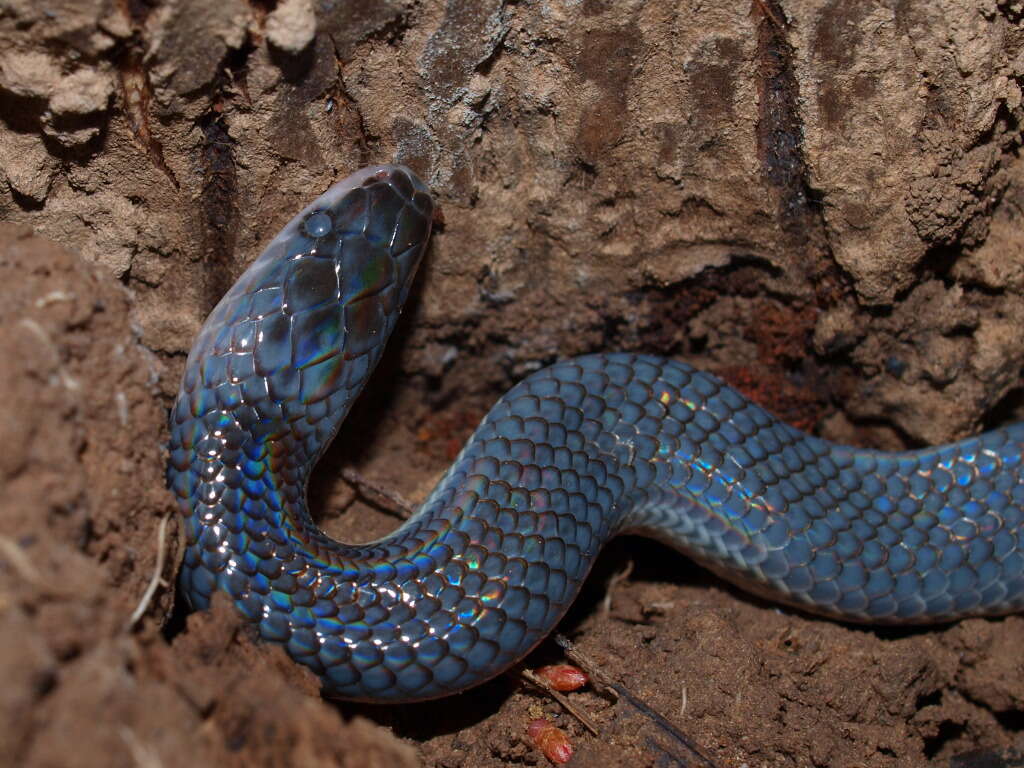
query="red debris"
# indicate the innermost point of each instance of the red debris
(550, 740)
(563, 677)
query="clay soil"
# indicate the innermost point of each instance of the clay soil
(821, 202)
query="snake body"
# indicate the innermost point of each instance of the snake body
(571, 456)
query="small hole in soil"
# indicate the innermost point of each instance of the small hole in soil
(176, 621)
(948, 731)
(1011, 719)
(1006, 410)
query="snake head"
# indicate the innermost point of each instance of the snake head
(307, 321)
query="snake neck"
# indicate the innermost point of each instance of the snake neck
(280, 360)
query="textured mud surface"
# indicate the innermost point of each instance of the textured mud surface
(819, 201)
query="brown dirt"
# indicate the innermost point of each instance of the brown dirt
(820, 201)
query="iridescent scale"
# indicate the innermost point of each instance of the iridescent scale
(573, 455)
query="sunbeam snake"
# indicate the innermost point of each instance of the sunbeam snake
(576, 453)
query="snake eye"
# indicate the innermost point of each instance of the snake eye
(318, 224)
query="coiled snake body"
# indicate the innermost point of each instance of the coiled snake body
(571, 456)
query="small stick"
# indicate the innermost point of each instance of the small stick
(387, 499)
(769, 12)
(158, 569)
(596, 673)
(606, 603)
(567, 705)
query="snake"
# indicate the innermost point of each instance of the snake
(576, 453)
